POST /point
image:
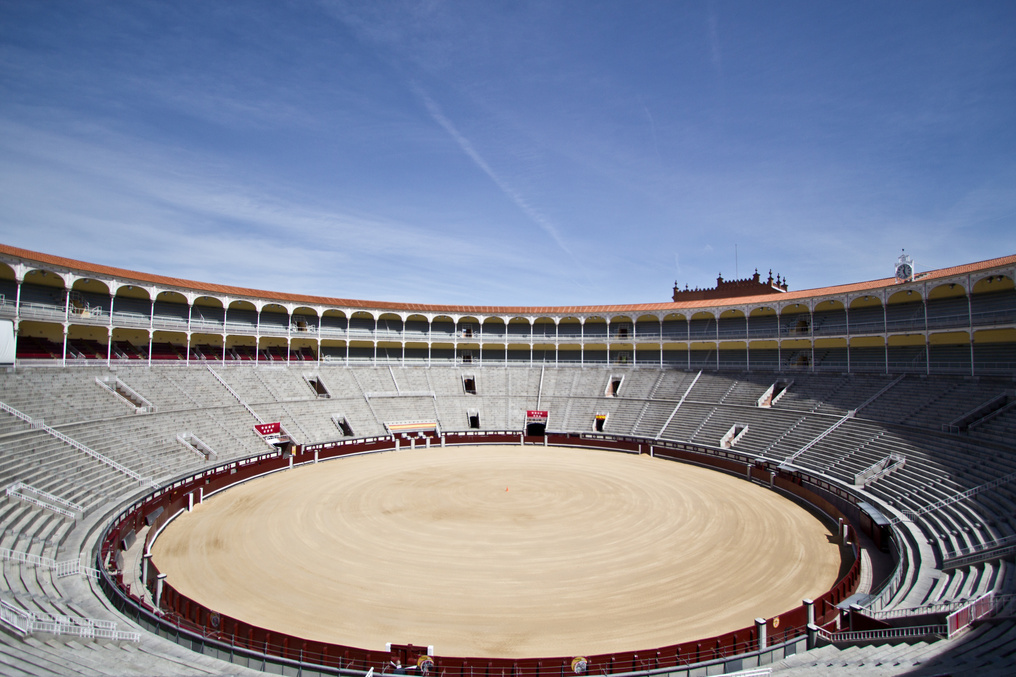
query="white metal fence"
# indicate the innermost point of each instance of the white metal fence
(39, 425)
(28, 622)
(913, 515)
(44, 499)
(884, 634)
(69, 567)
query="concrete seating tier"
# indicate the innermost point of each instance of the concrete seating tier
(906, 418)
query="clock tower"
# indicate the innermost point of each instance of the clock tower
(904, 268)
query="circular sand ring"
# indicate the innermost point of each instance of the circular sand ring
(503, 551)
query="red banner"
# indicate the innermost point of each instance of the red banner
(268, 428)
(534, 415)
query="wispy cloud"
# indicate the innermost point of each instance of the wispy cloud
(544, 223)
(132, 204)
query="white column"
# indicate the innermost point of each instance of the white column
(159, 581)
(257, 337)
(970, 322)
(66, 322)
(846, 324)
(151, 331)
(17, 299)
(225, 331)
(885, 330)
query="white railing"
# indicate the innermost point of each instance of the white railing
(961, 615)
(194, 443)
(912, 515)
(734, 435)
(970, 612)
(884, 634)
(73, 567)
(9, 555)
(35, 308)
(39, 425)
(69, 567)
(679, 403)
(124, 318)
(990, 545)
(401, 393)
(911, 612)
(1004, 603)
(234, 394)
(14, 412)
(880, 393)
(787, 462)
(19, 619)
(28, 622)
(45, 500)
(889, 464)
(143, 408)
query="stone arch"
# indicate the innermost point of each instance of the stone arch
(273, 318)
(333, 324)
(442, 327)
(946, 290)
(47, 277)
(829, 318)
(675, 327)
(417, 326)
(595, 326)
(702, 325)
(621, 327)
(732, 323)
(132, 307)
(520, 328)
(648, 327)
(763, 322)
(89, 301)
(494, 327)
(998, 282)
(361, 324)
(544, 327)
(795, 319)
(904, 311)
(43, 293)
(390, 325)
(467, 326)
(171, 308)
(207, 314)
(304, 320)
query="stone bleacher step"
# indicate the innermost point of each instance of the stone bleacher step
(20, 660)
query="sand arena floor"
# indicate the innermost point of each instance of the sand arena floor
(503, 551)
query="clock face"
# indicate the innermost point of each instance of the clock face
(904, 271)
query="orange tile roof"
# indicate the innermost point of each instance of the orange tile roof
(241, 292)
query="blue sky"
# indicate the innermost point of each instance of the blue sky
(508, 153)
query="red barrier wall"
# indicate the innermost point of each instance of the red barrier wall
(185, 613)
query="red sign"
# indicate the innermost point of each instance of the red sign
(533, 415)
(268, 428)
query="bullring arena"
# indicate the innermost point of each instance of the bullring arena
(209, 480)
(592, 552)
